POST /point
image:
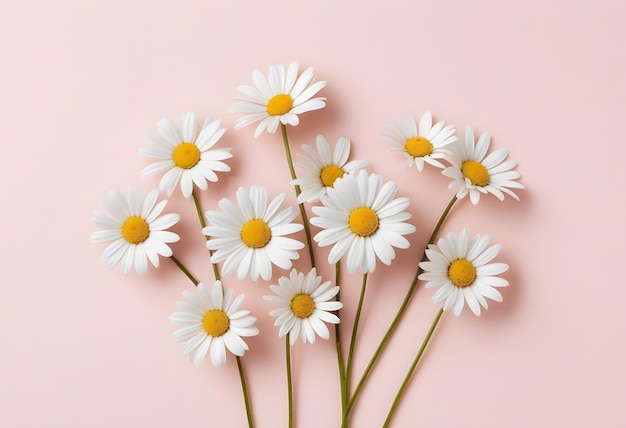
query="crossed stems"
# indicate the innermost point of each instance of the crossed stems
(395, 322)
(347, 402)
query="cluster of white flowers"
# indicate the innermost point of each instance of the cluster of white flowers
(358, 213)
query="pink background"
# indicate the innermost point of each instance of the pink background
(83, 82)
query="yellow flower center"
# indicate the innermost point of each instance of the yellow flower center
(135, 230)
(363, 221)
(476, 172)
(216, 323)
(462, 273)
(302, 305)
(256, 233)
(329, 174)
(418, 147)
(186, 155)
(279, 104)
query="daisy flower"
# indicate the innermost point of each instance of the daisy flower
(473, 172)
(323, 167)
(137, 229)
(461, 270)
(423, 145)
(304, 302)
(211, 322)
(278, 98)
(361, 218)
(250, 237)
(183, 157)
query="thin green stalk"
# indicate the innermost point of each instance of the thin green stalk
(357, 317)
(305, 221)
(340, 363)
(398, 316)
(184, 270)
(412, 369)
(289, 383)
(196, 282)
(443, 217)
(245, 393)
(196, 202)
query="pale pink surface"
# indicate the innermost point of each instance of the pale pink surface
(82, 82)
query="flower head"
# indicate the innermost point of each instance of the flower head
(322, 167)
(461, 270)
(211, 322)
(475, 172)
(251, 236)
(361, 218)
(304, 303)
(424, 145)
(137, 229)
(183, 157)
(278, 98)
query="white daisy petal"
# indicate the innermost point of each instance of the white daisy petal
(465, 277)
(249, 237)
(156, 167)
(168, 131)
(200, 338)
(261, 82)
(442, 293)
(278, 98)
(137, 230)
(302, 300)
(425, 123)
(217, 352)
(188, 332)
(322, 167)
(141, 261)
(104, 236)
(361, 219)
(319, 327)
(423, 145)
(487, 255)
(322, 314)
(340, 248)
(290, 77)
(303, 81)
(235, 343)
(212, 323)
(481, 147)
(471, 300)
(184, 154)
(492, 269)
(187, 123)
(458, 303)
(490, 293)
(474, 172)
(276, 78)
(295, 331)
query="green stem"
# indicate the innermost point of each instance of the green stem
(289, 383)
(443, 217)
(340, 363)
(305, 221)
(184, 270)
(217, 278)
(398, 316)
(196, 202)
(357, 317)
(245, 392)
(412, 369)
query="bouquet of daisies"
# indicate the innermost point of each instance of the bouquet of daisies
(357, 214)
